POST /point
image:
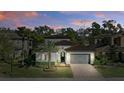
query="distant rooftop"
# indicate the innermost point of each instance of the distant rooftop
(57, 37)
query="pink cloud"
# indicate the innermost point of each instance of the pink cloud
(101, 15)
(2, 17)
(17, 17)
(84, 22)
(31, 14)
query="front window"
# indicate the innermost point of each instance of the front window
(117, 41)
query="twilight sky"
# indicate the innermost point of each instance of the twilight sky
(58, 19)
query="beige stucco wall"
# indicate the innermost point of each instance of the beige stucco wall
(40, 57)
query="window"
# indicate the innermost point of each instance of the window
(117, 41)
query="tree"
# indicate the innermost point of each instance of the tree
(120, 28)
(25, 33)
(44, 30)
(72, 34)
(95, 29)
(109, 26)
(37, 40)
(49, 47)
(33, 40)
(7, 47)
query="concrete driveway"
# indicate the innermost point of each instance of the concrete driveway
(85, 72)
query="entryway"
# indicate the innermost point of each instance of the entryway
(62, 57)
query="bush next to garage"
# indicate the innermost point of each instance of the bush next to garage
(101, 60)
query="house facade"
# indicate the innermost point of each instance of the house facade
(21, 45)
(117, 43)
(68, 52)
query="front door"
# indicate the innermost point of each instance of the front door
(63, 57)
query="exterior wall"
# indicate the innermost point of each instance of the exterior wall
(38, 57)
(18, 47)
(92, 56)
(55, 57)
(18, 44)
(122, 41)
(100, 50)
(43, 57)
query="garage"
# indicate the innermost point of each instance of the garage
(80, 55)
(79, 58)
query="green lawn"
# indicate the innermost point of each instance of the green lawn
(107, 71)
(34, 72)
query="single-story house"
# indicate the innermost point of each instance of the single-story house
(68, 52)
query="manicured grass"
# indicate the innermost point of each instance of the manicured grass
(108, 71)
(34, 72)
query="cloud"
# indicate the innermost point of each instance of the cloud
(31, 14)
(2, 17)
(101, 15)
(83, 22)
(16, 18)
(17, 15)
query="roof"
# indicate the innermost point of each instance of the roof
(64, 42)
(14, 36)
(80, 48)
(116, 49)
(108, 48)
(118, 35)
(57, 37)
(11, 34)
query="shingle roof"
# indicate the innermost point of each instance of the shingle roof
(80, 48)
(117, 49)
(65, 42)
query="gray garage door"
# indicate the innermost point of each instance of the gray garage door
(80, 59)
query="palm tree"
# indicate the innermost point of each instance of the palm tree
(49, 47)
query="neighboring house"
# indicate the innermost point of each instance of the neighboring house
(117, 41)
(18, 44)
(68, 52)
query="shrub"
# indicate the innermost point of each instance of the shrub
(29, 61)
(101, 60)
